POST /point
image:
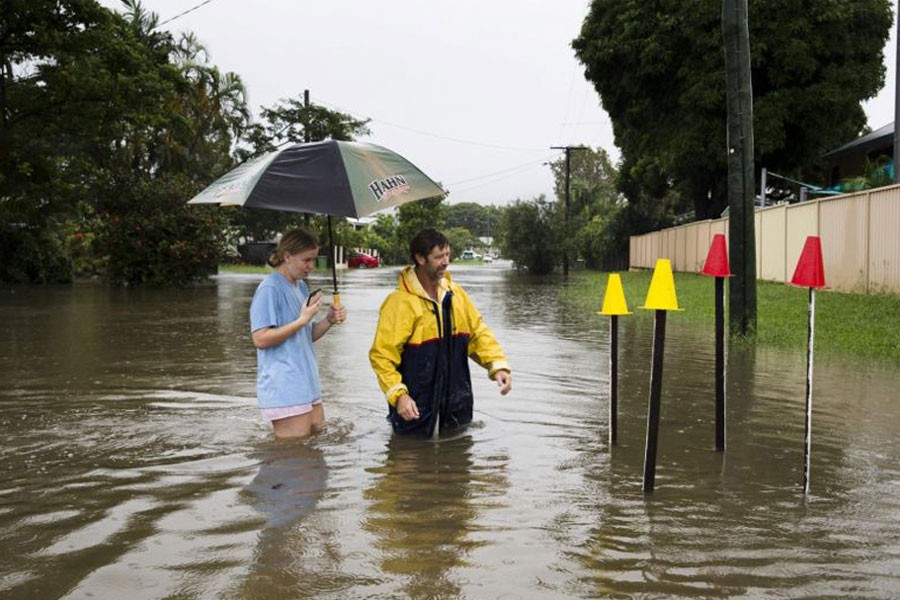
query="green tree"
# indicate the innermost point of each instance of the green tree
(594, 199)
(172, 150)
(292, 121)
(530, 235)
(414, 216)
(660, 73)
(148, 237)
(478, 219)
(105, 121)
(213, 110)
(384, 232)
(460, 239)
(80, 88)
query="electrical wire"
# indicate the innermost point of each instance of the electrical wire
(504, 174)
(169, 20)
(510, 169)
(434, 135)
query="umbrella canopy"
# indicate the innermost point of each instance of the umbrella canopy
(334, 178)
(343, 179)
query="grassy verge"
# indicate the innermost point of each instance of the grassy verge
(852, 324)
(241, 268)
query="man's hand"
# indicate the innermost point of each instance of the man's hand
(504, 381)
(406, 408)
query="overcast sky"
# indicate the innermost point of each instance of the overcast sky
(474, 92)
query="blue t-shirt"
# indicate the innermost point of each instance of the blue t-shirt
(288, 373)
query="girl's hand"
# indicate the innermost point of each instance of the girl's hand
(310, 309)
(337, 314)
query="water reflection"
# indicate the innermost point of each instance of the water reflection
(134, 462)
(422, 512)
(291, 479)
(735, 524)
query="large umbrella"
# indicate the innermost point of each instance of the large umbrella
(343, 179)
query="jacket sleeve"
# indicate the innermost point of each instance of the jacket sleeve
(484, 348)
(395, 324)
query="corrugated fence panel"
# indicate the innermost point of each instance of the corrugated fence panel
(719, 226)
(855, 233)
(802, 220)
(757, 242)
(690, 246)
(771, 246)
(679, 259)
(842, 227)
(643, 251)
(704, 239)
(646, 250)
(884, 241)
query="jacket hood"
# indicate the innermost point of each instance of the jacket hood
(409, 282)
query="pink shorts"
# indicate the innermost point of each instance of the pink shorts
(283, 412)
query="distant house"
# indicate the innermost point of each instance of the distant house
(850, 159)
(487, 244)
(362, 222)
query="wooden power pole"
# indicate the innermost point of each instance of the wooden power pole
(741, 234)
(566, 236)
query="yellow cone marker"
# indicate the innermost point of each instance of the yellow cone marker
(661, 295)
(660, 298)
(614, 298)
(614, 305)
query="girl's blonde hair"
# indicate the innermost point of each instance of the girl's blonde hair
(292, 242)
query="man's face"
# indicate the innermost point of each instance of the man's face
(433, 266)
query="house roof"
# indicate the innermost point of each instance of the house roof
(880, 138)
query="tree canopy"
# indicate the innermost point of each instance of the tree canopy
(480, 220)
(660, 72)
(108, 125)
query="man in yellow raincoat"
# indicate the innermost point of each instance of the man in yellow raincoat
(427, 329)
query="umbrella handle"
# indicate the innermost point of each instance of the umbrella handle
(336, 301)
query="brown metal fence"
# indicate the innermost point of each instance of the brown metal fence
(860, 241)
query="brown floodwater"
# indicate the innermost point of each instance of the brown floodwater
(134, 463)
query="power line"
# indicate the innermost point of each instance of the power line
(568, 150)
(184, 13)
(510, 169)
(434, 135)
(568, 100)
(505, 174)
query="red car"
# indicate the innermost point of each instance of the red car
(358, 260)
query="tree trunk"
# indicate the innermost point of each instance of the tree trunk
(741, 235)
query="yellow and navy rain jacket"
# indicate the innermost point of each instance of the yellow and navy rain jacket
(422, 347)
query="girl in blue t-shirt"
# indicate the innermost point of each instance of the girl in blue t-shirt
(281, 324)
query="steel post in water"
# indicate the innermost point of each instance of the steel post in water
(614, 305)
(613, 379)
(809, 385)
(716, 265)
(659, 342)
(720, 364)
(810, 273)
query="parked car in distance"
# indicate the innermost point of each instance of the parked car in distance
(469, 255)
(358, 260)
(487, 258)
